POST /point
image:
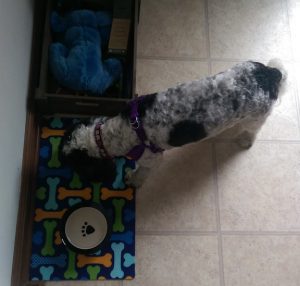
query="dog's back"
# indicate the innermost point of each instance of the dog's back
(199, 109)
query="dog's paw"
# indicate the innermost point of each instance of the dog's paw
(128, 177)
(134, 179)
(245, 140)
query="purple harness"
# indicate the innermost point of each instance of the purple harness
(136, 124)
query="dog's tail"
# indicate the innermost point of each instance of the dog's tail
(278, 75)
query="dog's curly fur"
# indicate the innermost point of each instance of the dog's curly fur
(184, 114)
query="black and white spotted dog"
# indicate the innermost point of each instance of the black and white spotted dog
(187, 113)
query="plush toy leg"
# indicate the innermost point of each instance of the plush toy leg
(114, 68)
(109, 72)
(57, 60)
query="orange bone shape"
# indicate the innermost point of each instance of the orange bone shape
(57, 239)
(107, 194)
(105, 260)
(85, 193)
(41, 214)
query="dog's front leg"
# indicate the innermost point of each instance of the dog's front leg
(144, 165)
(248, 131)
(137, 177)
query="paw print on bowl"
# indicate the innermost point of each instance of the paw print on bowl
(87, 229)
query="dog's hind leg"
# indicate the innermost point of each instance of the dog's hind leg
(248, 131)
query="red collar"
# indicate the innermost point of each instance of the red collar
(99, 142)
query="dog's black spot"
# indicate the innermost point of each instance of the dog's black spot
(235, 104)
(145, 103)
(185, 132)
(90, 168)
(267, 79)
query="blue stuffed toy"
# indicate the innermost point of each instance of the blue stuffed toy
(76, 62)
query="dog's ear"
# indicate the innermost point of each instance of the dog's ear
(90, 168)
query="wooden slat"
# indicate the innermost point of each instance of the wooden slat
(22, 248)
(26, 204)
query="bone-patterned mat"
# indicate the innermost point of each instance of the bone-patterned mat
(59, 188)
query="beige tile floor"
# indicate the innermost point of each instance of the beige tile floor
(212, 214)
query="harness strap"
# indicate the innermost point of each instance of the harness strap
(136, 124)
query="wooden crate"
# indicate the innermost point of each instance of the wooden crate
(50, 98)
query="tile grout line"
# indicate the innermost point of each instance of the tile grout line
(222, 232)
(295, 88)
(286, 8)
(205, 59)
(175, 233)
(218, 215)
(261, 233)
(246, 59)
(207, 34)
(259, 141)
(161, 58)
(214, 162)
(296, 98)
